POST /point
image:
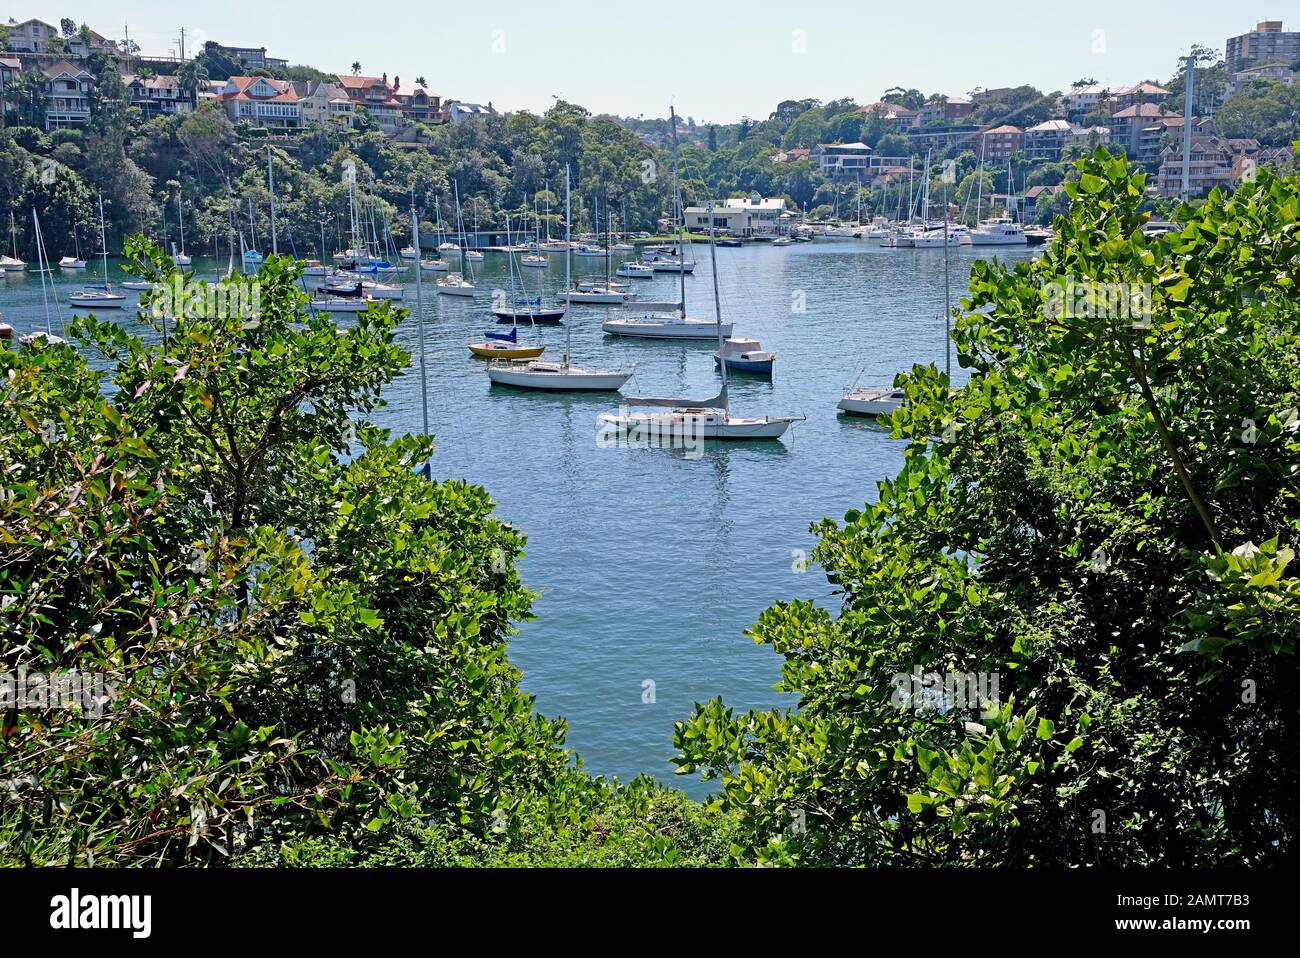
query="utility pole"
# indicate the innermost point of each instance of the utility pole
(1189, 79)
(182, 44)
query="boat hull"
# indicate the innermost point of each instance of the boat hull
(683, 425)
(528, 316)
(761, 367)
(509, 352)
(668, 329)
(559, 381)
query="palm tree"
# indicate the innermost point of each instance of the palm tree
(419, 81)
(356, 67)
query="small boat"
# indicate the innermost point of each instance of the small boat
(454, 284)
(732, 243)
(636, 271)
(41, 335)
(671, 264)
(253, 256)
(369, 287)
(71, 262)
(745, 356)
(138, 284)
(872, 401)
(6, 331)
(695, 422)
(448, 247)
(652, 323)
(588, 249)
(558, 377)
(529, 311)
(597, 294)
(342, 304)
(1037, 237)
(535, 260)
(781, 241)
(623, 248)
(474, 256)
(179, 257)
(409, 252)
(505, 345)
(314, 267)
(434, 265)
(99, 297)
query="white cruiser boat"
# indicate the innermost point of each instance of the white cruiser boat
(999, 231)
(636, 271)
(534, 260)
(71, 262)
(596, 294)
(434, 265)
(454, 284)
(872, 401)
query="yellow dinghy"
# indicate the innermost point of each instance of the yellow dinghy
(505, 351)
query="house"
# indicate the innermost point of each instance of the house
(1214, 162)
(945, 110)
(251, 58)
(1124, 97)
(10, 67)
(418, 105)
(459, 112)
(1271, 72)
(158, 95)
(1268, 43)
(376, 96)
(35, 36)
(745, 216)
(1154, 138)
(1036, 193)
(1050, 139)
(897, 118)
(1127, 125)
(1082, 100)
(323, 102)
(841, 159)
(262, 101)
(791, 156)
(1001, 141)
(67, 95)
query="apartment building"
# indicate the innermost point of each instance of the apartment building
(1267, 43)
(1000, 142)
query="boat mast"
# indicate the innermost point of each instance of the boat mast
(947, 291)
(717, 314)
(103, 242)
(678, 205)
(41, 268)
(419, 312)
(180, 216)
(568, 255)
(270, 179)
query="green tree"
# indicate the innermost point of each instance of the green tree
(1103, 518)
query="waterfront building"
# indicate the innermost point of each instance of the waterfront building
(1267, 43)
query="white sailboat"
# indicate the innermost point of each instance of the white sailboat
(456, 284)
(99, 297)
(178, 256)
(689, 420)
(561, 376)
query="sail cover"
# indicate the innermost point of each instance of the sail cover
(510, 337)
(717, 402)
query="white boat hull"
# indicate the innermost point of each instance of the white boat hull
(449, 290)
(103, 301)
(871, 402)
(693, 424)
(557, 378)
(666, 328)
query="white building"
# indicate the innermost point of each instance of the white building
(67, 95)
(463, 111)
(753, 215)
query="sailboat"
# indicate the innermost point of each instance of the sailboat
(178, 256)
(688, 419)
(669, 320)
(561, 376)
(251, 256)
(12, 263)
(605, 294)
(522, 308)
(73, 262)
(883, 400)
(504, 345)
(100, 297)
(455, 284)
(535, 259)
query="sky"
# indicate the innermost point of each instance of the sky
(715, 60)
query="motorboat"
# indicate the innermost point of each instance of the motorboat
(872, 401)
(635, 271)
(999, 231)
(745, 356)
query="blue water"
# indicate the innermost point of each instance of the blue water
(651, 565)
